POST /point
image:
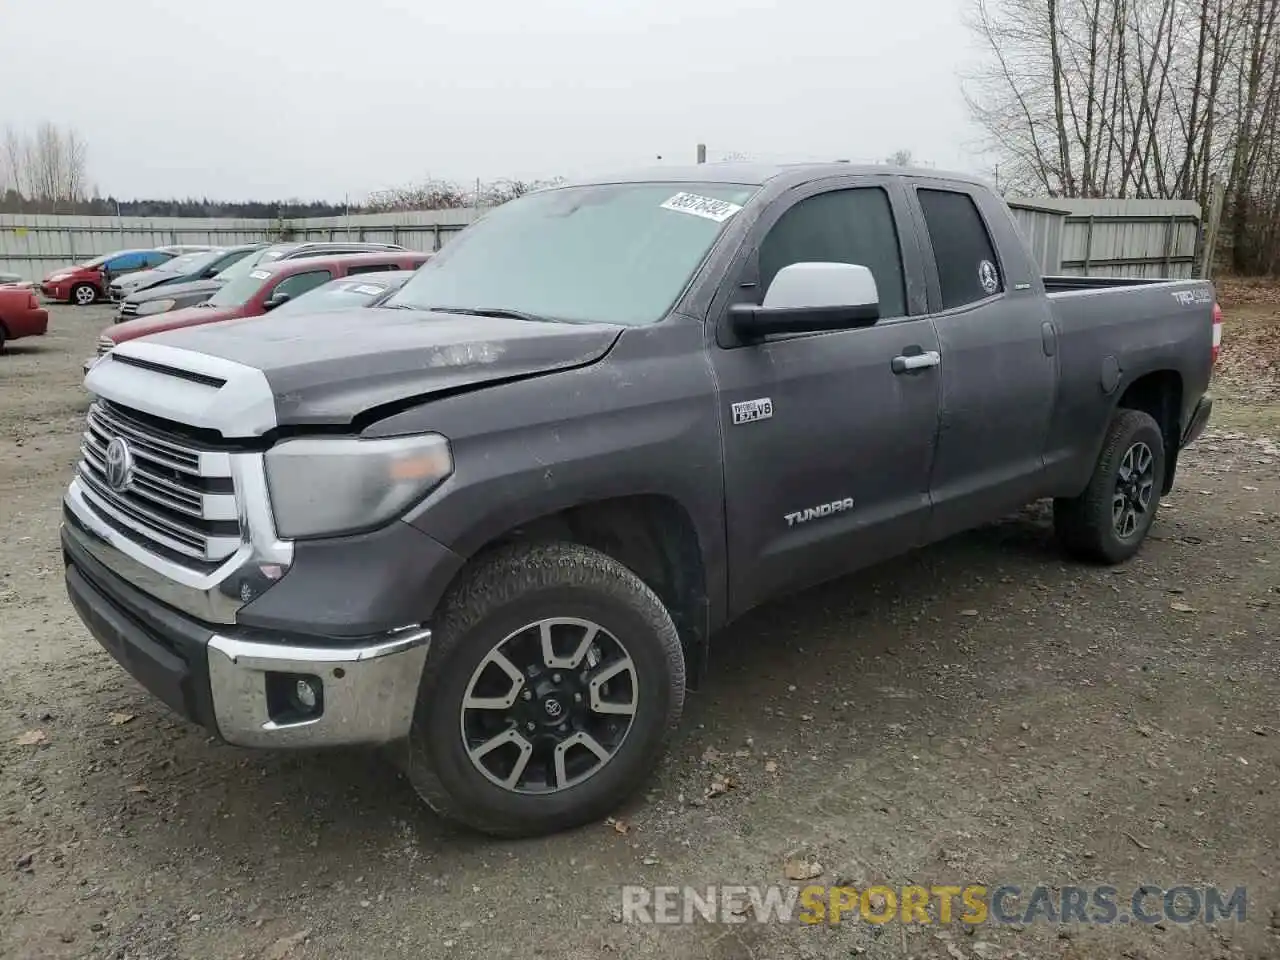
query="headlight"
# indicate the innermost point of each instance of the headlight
(324, 486)
(155, 306)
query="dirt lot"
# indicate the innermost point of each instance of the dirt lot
(978, 712)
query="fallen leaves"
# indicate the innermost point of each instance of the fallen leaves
(771, 766)
(32, 738)
(120, 719)
(1180, 607)
(720, 786)
(283, 947)
(619, 826)
(800, 869)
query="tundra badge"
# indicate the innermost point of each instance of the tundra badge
(822, 510)
(749, 411)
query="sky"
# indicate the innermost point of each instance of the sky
(267, 99)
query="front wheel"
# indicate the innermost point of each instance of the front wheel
(83, 294)
(1108, 522)
(553, 679)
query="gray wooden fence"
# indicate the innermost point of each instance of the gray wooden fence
(1126, 238)
(31, 245)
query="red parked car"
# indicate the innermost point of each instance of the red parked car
(87, 282)
(258, 291)
(20, 314)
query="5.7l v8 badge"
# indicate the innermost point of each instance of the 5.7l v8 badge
(749, 411)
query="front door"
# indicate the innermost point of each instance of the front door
(827, 449)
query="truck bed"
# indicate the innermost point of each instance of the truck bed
(1065, 284)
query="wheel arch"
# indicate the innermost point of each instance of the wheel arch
(1159, 394)
(651, 534)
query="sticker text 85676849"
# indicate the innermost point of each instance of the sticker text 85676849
(707, 207)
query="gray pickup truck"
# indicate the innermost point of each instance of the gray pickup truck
(493, 522)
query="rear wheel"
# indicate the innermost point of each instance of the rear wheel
(3, 333)
(83, 294)
(553, 679)
(1108, 522)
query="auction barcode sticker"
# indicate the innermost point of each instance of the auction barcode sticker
(706, 207)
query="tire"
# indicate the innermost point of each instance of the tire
(3, 334)
(83, 294)
(1095, 526)
(498, 607)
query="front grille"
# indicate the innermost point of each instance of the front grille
(128, 309)
(105, 345)
(179, 501)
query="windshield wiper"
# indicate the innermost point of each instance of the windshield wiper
(499, 312)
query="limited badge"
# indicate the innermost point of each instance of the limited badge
(988, 276)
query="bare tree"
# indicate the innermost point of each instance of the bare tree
(444, 195)
(48, 168)
(15, 157)
(1136, 98)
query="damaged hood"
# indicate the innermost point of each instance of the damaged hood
(176, 290)
(327, 368)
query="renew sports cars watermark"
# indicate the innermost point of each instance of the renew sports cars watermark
(972, 904)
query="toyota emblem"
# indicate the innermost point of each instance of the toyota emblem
(552, 706)
(119, 465)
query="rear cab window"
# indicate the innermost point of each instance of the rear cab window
(968, 268)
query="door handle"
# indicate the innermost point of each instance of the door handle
(916, 361)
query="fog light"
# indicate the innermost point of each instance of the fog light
(294, 697)
(305, 695)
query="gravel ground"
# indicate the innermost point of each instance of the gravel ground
(977, 712)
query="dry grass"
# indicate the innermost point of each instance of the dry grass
(1246, 382)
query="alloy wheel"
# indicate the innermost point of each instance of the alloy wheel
(1135, 484)
(549, 706)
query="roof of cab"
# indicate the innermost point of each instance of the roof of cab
(307, 264)
(758, 174)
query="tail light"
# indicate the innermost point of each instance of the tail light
(33, 303)
(1217, 333)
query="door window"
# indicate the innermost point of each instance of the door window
(967, 266)
(841, 226)
(126, 261)
(298, 284)
(372, 268)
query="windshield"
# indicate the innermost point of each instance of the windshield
(239, 290)
(97, 261)
(340, 294)
(614, 253)
(189, 262)
(244, 265)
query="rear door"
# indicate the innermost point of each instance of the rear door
(998, 374)
(826, 449)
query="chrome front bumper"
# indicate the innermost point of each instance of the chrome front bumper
(174, 631)
(369, 692)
